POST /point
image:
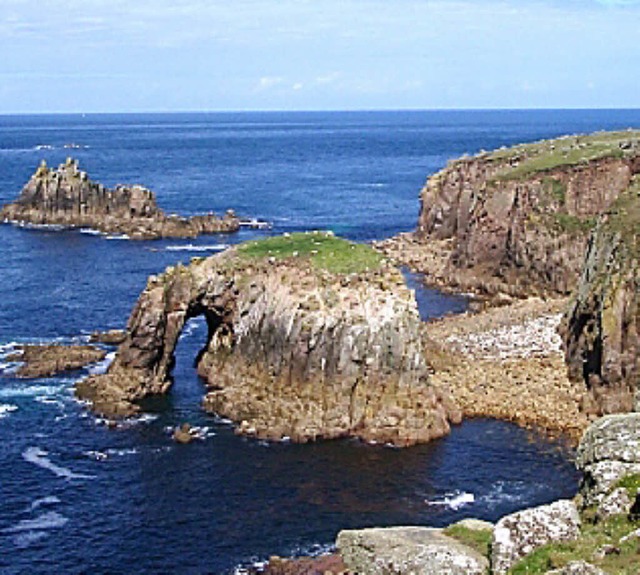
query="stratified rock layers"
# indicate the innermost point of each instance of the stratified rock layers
(293, 351)
(602, 328)
(67, 197)
(520, 217)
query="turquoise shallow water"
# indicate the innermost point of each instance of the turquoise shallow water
(77, 497)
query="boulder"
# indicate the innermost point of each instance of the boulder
(577, 568)
(518, 534)
(408, 550)
(67, 197)
(617, 502)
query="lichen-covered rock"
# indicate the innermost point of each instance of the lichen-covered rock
(520, 217)
(518, 534)
(608, 451)
(617, 502)
(577, 568)
(407, 551)
(67, 197)
(293, 350)
(601, 330)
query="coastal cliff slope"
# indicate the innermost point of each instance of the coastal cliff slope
(67, 197)
(310, 337)
(601, 330)
(517, 220)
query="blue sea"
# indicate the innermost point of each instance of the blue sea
(78, 497)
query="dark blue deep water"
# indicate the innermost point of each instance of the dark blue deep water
(76, 497)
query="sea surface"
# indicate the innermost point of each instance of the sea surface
(77, 497)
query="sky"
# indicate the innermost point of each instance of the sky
(198, 55)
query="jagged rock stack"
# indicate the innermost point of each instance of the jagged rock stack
(67, 197)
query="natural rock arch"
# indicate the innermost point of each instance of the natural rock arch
(291, 351)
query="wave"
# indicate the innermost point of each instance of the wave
(117, 237)
(197, 248)
(29, 391)
(49, 500)
(6, 409)
(507, 492)
(90, 232)
(28, 531)
(30, 226)
(454, 501)
(39, 457)
(101, 366)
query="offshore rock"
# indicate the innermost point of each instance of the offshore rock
(519, 218)
(408, 550)
(67, 197)
(518, 534)
(601, 330)
(50, 359)
(294, 350)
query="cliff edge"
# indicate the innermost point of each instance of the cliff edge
(516, 220)
(67, 197)
(310, 337)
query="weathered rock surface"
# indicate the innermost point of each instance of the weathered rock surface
(519, 218)
(577, 568)
(601, 330)
(408, 550)
(609, 451)
(518, 534)
(67, 197)
(110, 337)
(47, 360)
(293, 351)
(323, 565)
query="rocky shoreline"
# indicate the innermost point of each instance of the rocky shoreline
(67, 197)
(46, 360)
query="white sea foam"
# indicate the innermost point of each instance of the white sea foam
(197, 248)
(120, 452)
(102, 366)
(26, 538)
(96, 455)
(29, 391)
(43, 147)
(48, 520)
(48, 500)
(455, 500)
(6, 409)
(39, 457)
(507, 492)
(118, 237)
(90, 231)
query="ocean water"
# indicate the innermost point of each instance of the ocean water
(76, 497)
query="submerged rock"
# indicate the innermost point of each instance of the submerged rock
(50, 359)
(315, 338)
(67, 197)
(408, 550)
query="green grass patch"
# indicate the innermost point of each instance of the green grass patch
(477, 539)
(631, 483)
(570, 224)
(321, 249)
(548, 155)
(557, 190)
(624, 217)
(624, 561)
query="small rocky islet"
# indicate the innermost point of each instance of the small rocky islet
(313, 337)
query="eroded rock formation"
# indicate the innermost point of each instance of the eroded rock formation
(519, 218)
(67, 197)
(601, 330)
(293, 350)
(51, 359)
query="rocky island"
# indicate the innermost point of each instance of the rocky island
(67, 197)
(310, 337)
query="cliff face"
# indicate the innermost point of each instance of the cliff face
(520, 217)
(293, 350)
(67, 197)
(601, 330)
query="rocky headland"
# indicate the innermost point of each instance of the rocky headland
(516, 221)
(310, 337)
(595, 533)
(67, 197)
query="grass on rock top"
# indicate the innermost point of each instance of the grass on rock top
(322, 249)
(548, 155)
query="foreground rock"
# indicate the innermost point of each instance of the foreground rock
(309, 337)
(67, 197)
(601, 330)
(404, 550)
(517, 535)
(516, 220)
(48, 360)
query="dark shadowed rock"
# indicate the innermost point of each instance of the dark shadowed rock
(67, 197)
(294, 350)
